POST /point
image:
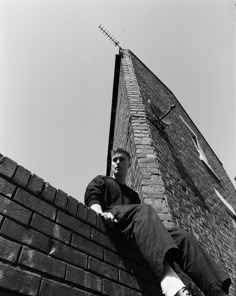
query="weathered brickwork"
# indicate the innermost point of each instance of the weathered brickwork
(51, 244)
(133, 133)
(169, 169)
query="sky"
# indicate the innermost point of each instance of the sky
(56, 77)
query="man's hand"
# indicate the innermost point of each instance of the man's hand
(106, 215)
(97, 208)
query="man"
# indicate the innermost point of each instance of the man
(116, 202)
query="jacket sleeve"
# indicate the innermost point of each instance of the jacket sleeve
(95, 192)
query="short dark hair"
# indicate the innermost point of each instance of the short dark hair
(121, 150)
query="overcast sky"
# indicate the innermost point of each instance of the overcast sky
(56, 77)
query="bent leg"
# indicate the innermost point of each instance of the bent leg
(198, 265)
(142, 224)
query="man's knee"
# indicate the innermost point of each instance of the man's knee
(147, 212)
(182, 237)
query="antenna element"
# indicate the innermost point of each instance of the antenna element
(109, 36)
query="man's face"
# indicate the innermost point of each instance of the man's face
(120, 164)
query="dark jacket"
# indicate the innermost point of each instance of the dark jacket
(107, 192)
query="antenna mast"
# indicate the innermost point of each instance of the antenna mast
(109, 36)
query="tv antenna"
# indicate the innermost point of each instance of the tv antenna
(109, 36)
(159, 115)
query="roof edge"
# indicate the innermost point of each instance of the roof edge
(113, 110)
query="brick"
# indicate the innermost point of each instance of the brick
(153, 171)
(22, 176)
(7, 166)
(102, 239)
(94, 282)
(76, 275)
(72, 205)
(87, 246)
(35, 185)
(11, 209)
(69, 254)
(92, 217)
(103, 268)
(25, 235)
(159, 204)
(73, 224)
(165, 217)
(49, 192)
(114, 289)
(153, 188)
(128, 279)
(51, 228)
(82, 212)
(101, 224)
(43, 263)
(61, 199)
(83, 278)
(18, 280)
(52, 288)
(8, 250)
(34, 203)
(156, 195)
(113, 259)
(149, 182)
(6, 188)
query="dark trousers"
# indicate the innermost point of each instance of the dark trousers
(156, 244)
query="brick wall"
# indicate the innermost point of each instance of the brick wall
(167, 169)
(51, 244)
(189, 183)
(132, 132)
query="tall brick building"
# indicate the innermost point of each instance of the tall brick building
(50, 244)
(174, 169)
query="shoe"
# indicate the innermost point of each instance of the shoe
(184, 292)
(187, 292)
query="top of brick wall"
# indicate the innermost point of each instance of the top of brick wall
(33, 184)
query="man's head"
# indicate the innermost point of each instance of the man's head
(120, 163)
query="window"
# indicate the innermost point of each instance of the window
(229, 207)
(202, 155)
